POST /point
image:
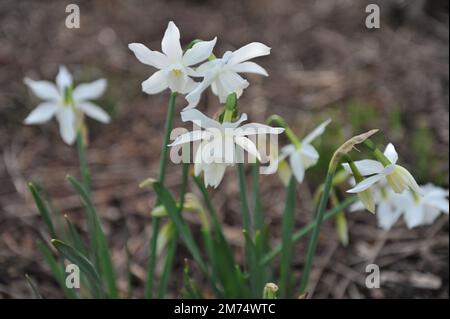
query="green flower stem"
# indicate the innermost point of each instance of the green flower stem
(230, 107)
(257, 209)
(377, 153)
(316, 230)
(244, 201)
(287, 244)
(173, 241)
(162, 174)
(84, 168)
(287, 130)
(355, 171)
(167, 130)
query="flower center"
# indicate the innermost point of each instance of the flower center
(68, 98)
(177, 72)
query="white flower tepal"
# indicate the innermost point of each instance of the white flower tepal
(223, 74)
(61, 102)
(217, 149)
(416, 210)
(397, 176)
(303, 156)
(174, 67)
(423, 210)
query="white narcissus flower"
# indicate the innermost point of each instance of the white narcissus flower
(389, 206)
(217, 149)
(223, 73)
(303, 156)
(416, 210)
(174, 67)
(397, 176)
(423, 210)
(65, 104)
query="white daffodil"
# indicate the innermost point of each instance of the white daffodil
(223, 73)
(174, 67)
(397, 176)
(64, 102)
(219, 141)
(423, 210)
(416, 210)
(389, 206)
(304, 155)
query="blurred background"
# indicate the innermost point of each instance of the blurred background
(324, 63)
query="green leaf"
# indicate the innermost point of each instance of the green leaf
(173, 243)
(287, 244)
(33, 288)
(98, 239)
(312, 244)
(43, 209)
(81, 261)
(162, 175)
(182, 229)
(223, 255)
(75, 237)
(56, 269)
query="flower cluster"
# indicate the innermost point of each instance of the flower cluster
(176, 70)
(391, 191)
(416, 210)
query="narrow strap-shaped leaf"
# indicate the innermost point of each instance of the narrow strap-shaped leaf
(223, 255)
(261, 238)
(151, 265)
(75, 237)
(43, 209)
(33, 288)
(98, 239)
(173, 242)
(312, 244)
(254, 269)
(287, 244)
(172, 209)
(81, 261)
(182, 229)
(56, 269)
(257, 207)
(84, 168)
(215, 219)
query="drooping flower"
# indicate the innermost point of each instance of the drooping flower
(423, 210)
(416, 210)
(222, 74)
(174, 66)
(64, 102)
(220, 143)
(304, 155)
(389, 206)
(398, 177)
